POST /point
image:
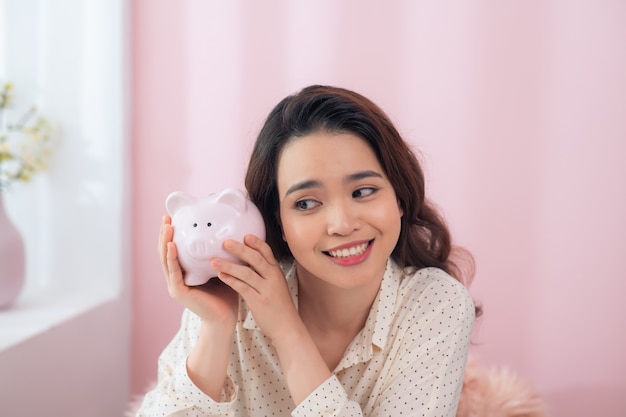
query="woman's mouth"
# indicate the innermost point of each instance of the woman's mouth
(349, 252)
(351, 255)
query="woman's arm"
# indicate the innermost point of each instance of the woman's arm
(263, 287)
(215, 304)
(208, 361)
(301, 362)
(192, 369)
(175, 393)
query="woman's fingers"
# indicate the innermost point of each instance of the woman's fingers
(165, 235)
(169, 258)
(174, 273)
(240, 286)
(255, 253)
(262, 247)
(259, 273)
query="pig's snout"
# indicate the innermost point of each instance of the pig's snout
(198, 248)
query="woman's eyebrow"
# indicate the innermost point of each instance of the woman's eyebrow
(317, 184)
(303, 185)
(362, 175)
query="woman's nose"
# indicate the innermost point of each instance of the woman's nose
(342, 219)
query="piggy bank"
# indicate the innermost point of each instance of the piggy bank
(201, 224)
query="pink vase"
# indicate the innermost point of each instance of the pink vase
(12, 268)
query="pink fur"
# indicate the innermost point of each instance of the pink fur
(493, 392)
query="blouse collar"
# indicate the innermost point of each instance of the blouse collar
(373, 336)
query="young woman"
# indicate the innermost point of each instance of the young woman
(352, 306)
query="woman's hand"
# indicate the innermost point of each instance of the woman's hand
(214, 301)
(262, 285)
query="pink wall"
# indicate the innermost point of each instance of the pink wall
(518, 107)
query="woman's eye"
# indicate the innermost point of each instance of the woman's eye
(306, 204)
(364, 192)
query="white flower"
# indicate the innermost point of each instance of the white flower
(25, 145)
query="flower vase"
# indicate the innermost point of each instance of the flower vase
(12, 269)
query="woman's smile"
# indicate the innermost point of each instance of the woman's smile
(348, 250)
(351, 254)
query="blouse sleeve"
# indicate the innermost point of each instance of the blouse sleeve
(175, 394)
(329, 399)
(423, 367)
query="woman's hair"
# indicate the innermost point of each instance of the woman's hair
(424, 239)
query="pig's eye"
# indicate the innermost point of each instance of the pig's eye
(195, 225)
(209, 224)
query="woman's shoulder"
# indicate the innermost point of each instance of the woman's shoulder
(434, 287)
(428, 277)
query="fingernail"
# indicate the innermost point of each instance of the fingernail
(216, 264)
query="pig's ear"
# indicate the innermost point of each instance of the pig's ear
(234, 198)
(177, 200)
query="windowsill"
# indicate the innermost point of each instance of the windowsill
(34, 314)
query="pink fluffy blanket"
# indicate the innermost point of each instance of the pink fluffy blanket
(497, 392)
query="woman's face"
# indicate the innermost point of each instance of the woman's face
(339, 212)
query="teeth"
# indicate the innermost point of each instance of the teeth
(353, 251)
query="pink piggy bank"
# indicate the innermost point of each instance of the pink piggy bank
(202, 224)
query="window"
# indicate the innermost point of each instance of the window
(67, 57)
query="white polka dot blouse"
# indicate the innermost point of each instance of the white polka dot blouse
(408, 360)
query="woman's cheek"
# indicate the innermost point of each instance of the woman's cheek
(298, 229)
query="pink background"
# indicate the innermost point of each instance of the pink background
(519, 110)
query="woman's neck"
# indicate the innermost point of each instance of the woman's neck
(327, 308)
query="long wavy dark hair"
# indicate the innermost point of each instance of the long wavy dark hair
(424, 240)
